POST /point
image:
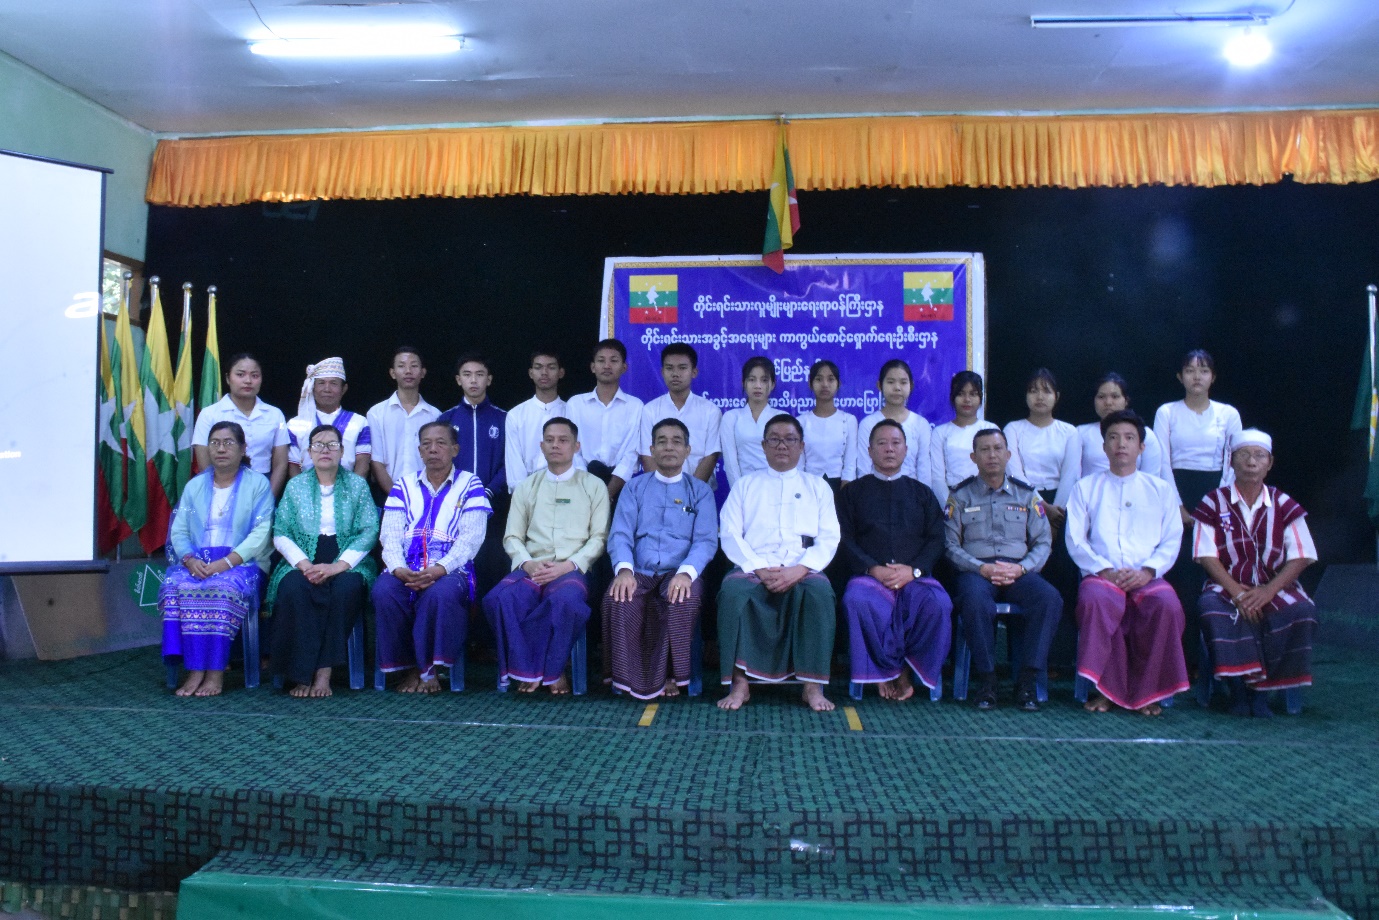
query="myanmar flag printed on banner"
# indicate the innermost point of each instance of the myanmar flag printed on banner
(928, 296)
(653, 298)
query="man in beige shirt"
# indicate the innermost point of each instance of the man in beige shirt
(557, 525)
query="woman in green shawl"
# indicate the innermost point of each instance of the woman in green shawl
(325, 526)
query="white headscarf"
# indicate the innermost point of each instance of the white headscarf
(330, 368)
(1252, 437)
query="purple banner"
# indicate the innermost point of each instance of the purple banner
(858, 311)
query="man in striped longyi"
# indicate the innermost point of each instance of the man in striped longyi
(665, 531)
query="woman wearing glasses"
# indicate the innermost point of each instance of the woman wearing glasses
(325, 527)
(218, 547)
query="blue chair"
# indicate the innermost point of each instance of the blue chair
(355, 643)
(1207, 682)
(696, 681)
(1082, 688)
(249, 641)
(1011, 617)
(579, 667)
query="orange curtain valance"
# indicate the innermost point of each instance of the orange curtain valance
(833, 153)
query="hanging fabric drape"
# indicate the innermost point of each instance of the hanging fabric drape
(830, 153)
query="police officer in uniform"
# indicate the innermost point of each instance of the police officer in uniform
(998, 538)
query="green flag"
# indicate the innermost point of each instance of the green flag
(1366, 417)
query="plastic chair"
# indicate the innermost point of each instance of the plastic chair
(355, 643)
(962, 654)
(696, 680)
(249, 641)
(1207, 682)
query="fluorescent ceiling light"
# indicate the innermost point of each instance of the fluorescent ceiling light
(364, 45)
(1248, 48)
(1111, 22)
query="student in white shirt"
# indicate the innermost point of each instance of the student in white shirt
(744, 427)
(609, 420)
(1195, 433)
(896, 382)
(830, 434)
(950, 446)
(522, 451)
(1085, 455)
(679, 367)
(265, 428)
(395, 423)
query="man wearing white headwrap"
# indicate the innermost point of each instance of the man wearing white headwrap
(1254, 543)
(319, 404)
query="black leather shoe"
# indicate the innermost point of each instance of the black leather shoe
(1026, 699)
(986, 698)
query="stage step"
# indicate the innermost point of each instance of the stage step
(239, 885)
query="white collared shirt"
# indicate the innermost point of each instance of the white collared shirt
(1124, 522)
(264, 429)
(607, 433)
(830, 444)
(394, 434)
(701, 417)
(1085, 455)
(522, 450)
(950, 455)
(769, 518)
(918, 433)
(1037, 454)
(741, 437)
(1196, 440)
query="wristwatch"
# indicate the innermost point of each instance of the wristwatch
(917, 572)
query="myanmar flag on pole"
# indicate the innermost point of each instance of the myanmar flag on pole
(1366, 416)
(184, 411)
(210, 392)
(783, 212)
(132, 434)
(155, 380)
(110, 527)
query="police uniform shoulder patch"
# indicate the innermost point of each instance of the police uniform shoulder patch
(968, 481)
(949, 509)
(1022, 484)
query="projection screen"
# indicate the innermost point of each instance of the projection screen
(51, 246)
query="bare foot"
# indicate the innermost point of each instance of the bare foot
(411, 682)
(814, 697)
(529, 686)
(738, 694)
(672, 688)
(300, 691)
(430, 684)
(321, 686)
(1153, 709)
(904, 688)
(1097, 703)
(190, 685)
(212, 684)
(887, 690)
(561, 687)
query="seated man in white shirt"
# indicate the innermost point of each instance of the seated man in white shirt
(1123, 532)
(319, 404)
(776, 607)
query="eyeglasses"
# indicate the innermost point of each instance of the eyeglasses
(783, 442)
(222, 442)
(325, 446)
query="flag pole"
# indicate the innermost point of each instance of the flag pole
(1373, 290)
(126, 288)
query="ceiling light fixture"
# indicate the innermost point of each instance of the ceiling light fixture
(1248, 48)
(1112, 22)
(372, 45)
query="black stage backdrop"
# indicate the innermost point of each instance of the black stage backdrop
(1270, 280)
